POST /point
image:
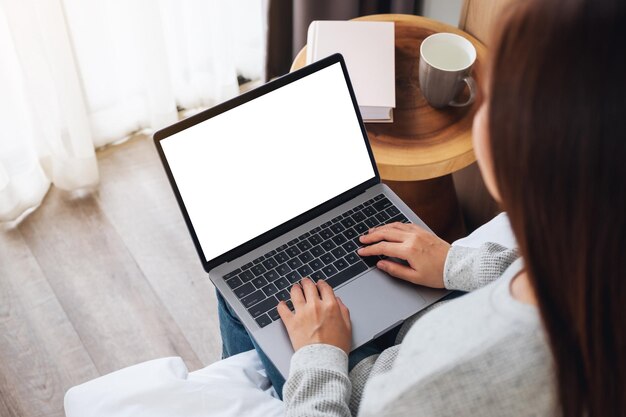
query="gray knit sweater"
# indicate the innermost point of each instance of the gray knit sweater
(482, 354)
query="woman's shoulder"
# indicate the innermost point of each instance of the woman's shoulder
(481, 318)
(509, 379)
(476, 352)
(485, 327)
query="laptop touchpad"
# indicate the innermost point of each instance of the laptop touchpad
(378, 302)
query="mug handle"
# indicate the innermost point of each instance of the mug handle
(472, 88)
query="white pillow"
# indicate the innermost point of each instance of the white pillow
(497, 230)
(236, 386)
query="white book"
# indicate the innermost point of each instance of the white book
(368, 49)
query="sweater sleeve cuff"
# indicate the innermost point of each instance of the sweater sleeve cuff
(458, 267)
(468, 269)
(319, 356)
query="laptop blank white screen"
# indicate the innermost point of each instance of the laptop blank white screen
(258, 165)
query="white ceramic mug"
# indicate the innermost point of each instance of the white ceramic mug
(446, 60)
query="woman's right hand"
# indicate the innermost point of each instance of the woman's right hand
(424, 251)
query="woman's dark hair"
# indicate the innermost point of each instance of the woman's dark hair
(557, 126)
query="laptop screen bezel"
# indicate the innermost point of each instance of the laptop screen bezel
(285, 227)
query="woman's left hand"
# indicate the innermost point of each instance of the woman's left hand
(318, 317)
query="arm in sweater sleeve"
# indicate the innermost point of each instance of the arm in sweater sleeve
(318, 383)
(468, 269)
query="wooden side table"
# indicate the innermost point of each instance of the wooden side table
(418, 152)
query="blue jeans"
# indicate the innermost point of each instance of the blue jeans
(235, 339)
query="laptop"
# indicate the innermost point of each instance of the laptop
(278, 184)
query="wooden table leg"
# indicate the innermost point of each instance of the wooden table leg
(435, 202)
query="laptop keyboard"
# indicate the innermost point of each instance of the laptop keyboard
(325, 252)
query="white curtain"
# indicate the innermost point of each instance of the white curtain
(79, 74)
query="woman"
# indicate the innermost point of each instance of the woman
(547, 338)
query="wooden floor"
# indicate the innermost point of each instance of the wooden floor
(90, 285)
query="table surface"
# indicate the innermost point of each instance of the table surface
(422, 142)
